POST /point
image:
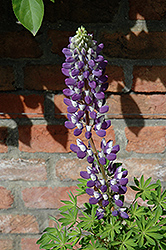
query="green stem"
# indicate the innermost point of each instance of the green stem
(96, 154)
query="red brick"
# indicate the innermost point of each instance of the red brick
(7, 78)
(146, 140)
(149, 79)
(22, 169)
(18, 224)
(12, 106)
(137, 106)
(52, 138)
(47, 197)
(69, 168)
(29, 244)
(43, 77)
(130, 196)
(60, 107)
(138, 45)
(155, 168)
(3, 138)
(147, 10)
(115, 78)
(19, 44)
(6, 198)
(59, 39)
(6, 244)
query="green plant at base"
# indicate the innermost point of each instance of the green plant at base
(144, 229)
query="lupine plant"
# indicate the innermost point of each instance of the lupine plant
(104, 222)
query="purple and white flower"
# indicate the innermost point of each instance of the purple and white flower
(86, 82)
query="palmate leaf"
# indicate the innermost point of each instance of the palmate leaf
(69, 217)
(110, 230)
(137, 211)
(158, 199)
(72, 204)
(144, 188)
(44, 239)
(147, 231)
(75, 235)
(94, 245)
(125, 241)
(29, 13)
(88, 221)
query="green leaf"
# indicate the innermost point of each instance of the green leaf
(137, 211)
(29, 13)
(44, 239)
(69, 217)
(158, 213)
(110, 229)
(135, 188)
(136, 181)
(147, 182)
(162, 245)
(142, 181)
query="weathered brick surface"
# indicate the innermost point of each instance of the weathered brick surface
(60, 107)
(18, 45)
(130, 196)
(47, 197)
(149, 79)
(14, 106)
(6, 244)
(137, 106)
(115, 78)
(18, 224)
(154, 168)
(3, 138)
(148, 10)
(134, 46)
(7, 78)
(69, 168)
(146, 140)
(125, 105)
(81, 11)
(22, 169)
(43, 77)
(7, 199)
(29, 244)
(51, 138)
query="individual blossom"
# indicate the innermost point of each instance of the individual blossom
(119, 181)
(86, 83)
(108, 151)
(121, 212)
(80, 149)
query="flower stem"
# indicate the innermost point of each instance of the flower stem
(96, 154)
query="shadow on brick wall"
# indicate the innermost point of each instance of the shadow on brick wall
(26, 112)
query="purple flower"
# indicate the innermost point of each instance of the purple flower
(84, 175)
(93, 200)
(86, 82)
(100, 213)
(120, 212)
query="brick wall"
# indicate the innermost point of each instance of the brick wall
(37, 167)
